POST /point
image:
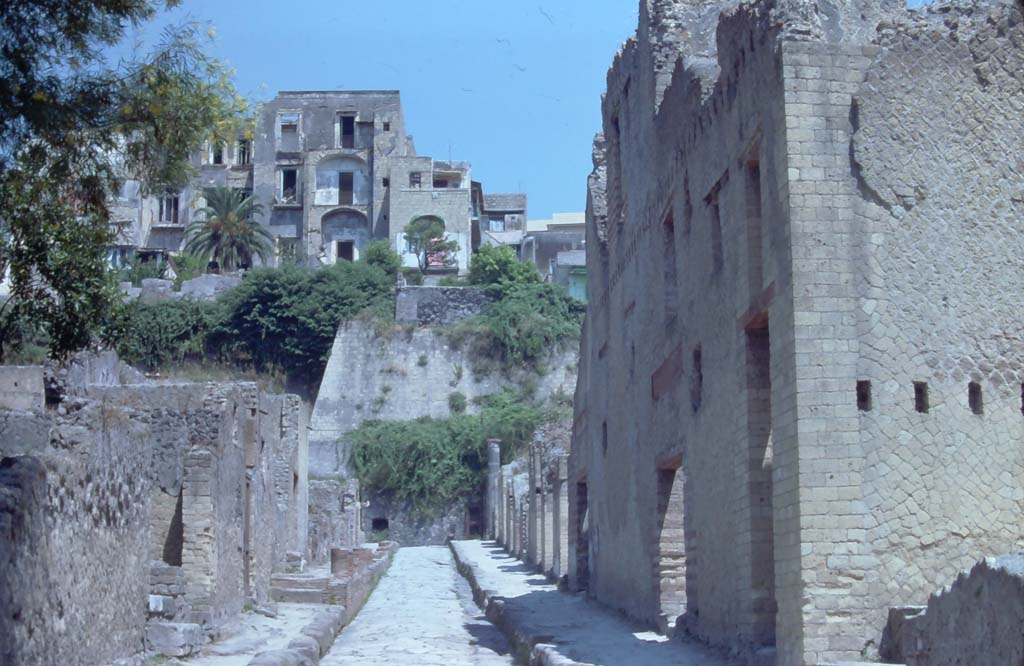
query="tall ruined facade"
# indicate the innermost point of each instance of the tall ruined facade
(800, 393)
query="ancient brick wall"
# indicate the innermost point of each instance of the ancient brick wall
(794, 244)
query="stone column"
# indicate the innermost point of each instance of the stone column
(493, 496)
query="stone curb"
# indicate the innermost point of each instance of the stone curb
(313, 643)
(528, 648)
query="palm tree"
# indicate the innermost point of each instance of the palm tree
(226, 232)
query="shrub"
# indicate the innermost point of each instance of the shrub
(187, 267)
(522, 327)
(413, 277)
(288, 317)
(379, 254)
(499, 266)
(158, 334)
(457, 402)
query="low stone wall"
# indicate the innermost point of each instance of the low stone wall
(408, 528)
(977, 620)
(334, 515)
(439, 306)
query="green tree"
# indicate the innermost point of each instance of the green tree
(71, 130)
(379, 253)
(499, 265)
(287, 318)
(425, 236)
(227, 234)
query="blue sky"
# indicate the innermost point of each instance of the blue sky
(513, 88)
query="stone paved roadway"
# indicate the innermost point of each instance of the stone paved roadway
(422, 613)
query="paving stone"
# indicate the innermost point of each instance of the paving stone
(421, 613)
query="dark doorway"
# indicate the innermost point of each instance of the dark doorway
(759, 491)
(582, 537)
(346, 250)
(175, 540)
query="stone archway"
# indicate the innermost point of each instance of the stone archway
(345, 234)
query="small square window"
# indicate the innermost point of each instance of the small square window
(386, 182)
(415, 178)
(387, 127)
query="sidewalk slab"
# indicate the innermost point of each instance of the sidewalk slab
(551, 628)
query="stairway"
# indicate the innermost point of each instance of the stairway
(309, 588)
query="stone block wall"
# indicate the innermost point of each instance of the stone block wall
(800, 261)
(21, 387)
(439, 306)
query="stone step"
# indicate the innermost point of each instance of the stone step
(296, 595)
(299, 582)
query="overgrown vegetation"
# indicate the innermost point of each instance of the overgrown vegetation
(279, 320)
(528, 320)
(431, 463)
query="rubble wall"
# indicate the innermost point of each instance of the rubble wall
(73, 518)
(144, 485)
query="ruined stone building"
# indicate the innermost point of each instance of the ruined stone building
(136, 515)
(800, 394)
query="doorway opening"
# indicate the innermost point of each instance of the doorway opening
(345, 250)
(759, 491)
(670, 548)
(582, 537)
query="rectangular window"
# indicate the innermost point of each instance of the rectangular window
(345, 188)
(348, 131)
(440, 184)
(288, 132)
(216, 153)
(386, 182)
(496, 224)
(243, 155)
(289, 192)
(387, 127)
(415, 179)
(169, 204)
(921, 397)
(974, 398)
(864, 395)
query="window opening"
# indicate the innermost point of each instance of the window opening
(386, 182)
(169, 205)
(217, 153)
(415, 178)
(921, 397)
(348, 131)
(345, 250)
(345, 185)
(244, 152)
(974, 397)
(864, 395)
(387, 127)
(289, 186)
